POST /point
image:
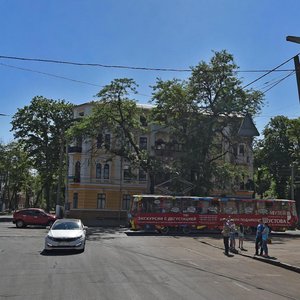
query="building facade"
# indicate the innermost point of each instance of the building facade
(103, 184)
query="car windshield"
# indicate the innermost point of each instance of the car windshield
(66, 226)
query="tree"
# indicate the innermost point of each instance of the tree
(199, 113)
(41, 127)
(115, 112)
(15, 166)
(276, 153)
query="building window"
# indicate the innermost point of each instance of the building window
(106, 171)
(127, 174)
(98, 170)
(81, 114)
(235, 150)
(99, 140)
(126, 202)
(77, 172)
(78, 142)
(101, 201)
(143, 143)
(143, 121)
(107, 141)
(242, 149)
(75, 200)
(160, 144)
(142, 175)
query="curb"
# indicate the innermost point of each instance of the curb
(6, 219)
(275, 263)
(265, 260)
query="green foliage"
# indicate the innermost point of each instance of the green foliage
(121, 116)
(275, 155)
(41, 127)
(15, 169)
(197, 113)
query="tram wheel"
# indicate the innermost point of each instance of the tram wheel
(186, 230)
(165, 230)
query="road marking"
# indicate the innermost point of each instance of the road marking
(241, 286)
(198, 252)
(193, 264)
(273, 275)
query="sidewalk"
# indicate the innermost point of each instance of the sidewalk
(6, 218)
(284, 249)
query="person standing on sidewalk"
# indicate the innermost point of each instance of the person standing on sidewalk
(265, 237)
(232, 234)
(241, 234)
(226, 233)
(258, 238)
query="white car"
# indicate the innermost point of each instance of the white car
(66, 234)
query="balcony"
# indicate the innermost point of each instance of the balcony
(170, 149)
(74, 149)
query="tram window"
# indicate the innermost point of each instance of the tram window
(197, 205)
(144, 205)
(241, 207)
(166, 205)
(280, 205)
(188, 206)
(205, 205)
(261, 207)
(230, 207)
(176, 207)
(246, 207)
(213, 208)
(156, 206)
(134, 206)
(284, 206)
(269, 205)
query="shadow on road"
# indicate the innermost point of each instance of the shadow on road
(60, 252)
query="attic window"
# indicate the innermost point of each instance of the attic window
(81, 114)
(143, 121)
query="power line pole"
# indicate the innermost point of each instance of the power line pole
(296, 39)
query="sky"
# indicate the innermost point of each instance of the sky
(174, 34)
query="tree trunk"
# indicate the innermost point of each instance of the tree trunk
(60, 175)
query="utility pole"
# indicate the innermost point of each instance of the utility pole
(296, 39)
(293, 181)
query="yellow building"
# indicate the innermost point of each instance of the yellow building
(99, 184)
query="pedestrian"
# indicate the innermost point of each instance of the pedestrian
(232, 235)
(241, 235)
(226, 233)
(258, 237)
(265, 237)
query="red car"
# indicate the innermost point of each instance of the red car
(32, 216)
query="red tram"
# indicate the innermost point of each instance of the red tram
(164, 213)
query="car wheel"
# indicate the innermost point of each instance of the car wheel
(20, 224)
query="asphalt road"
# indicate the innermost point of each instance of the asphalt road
(116, 265)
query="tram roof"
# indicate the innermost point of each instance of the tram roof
(211, 198)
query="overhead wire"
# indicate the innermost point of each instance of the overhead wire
(128, 67)
(279, 81)
(59, 77)
(267, 72)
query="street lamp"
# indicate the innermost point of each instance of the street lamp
(293, 39)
